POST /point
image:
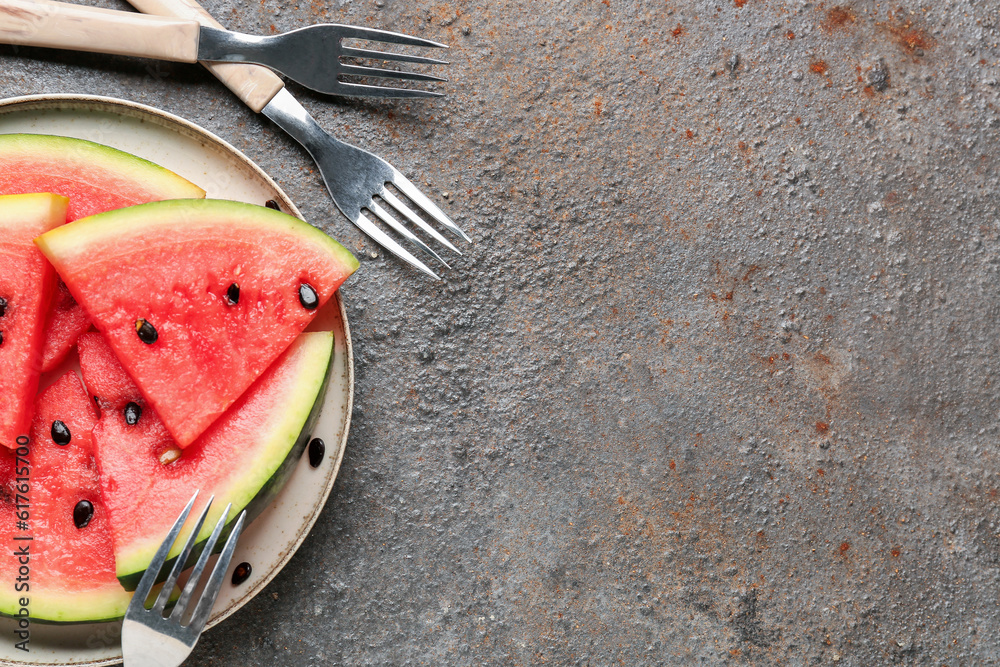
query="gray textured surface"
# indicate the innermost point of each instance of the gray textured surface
(715, 385)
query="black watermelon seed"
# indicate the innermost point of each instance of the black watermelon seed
(270, 203)
(1, 338)
(132, 413)
(233, 294)
(3, 306)
(83, 513)
(60, 433)
(241, 573)
(308, 297)
(147, 332)
(317, 449)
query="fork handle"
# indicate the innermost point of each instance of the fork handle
(253, 84)
(80, 28)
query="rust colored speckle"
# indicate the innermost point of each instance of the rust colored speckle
(839, 17)
(689, 133)
(822, 427)
(818, 66)
(673, 466)
(913, 40)
(678, 31)
(820, 472)
(598, 104)
(739, 3)
(621, 500)
(895, 552)
(844, 547)
(790, 35)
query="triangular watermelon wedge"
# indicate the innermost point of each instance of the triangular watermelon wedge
(26, 282)
(96, 178)
(243, 459)
(52, 514)
(197, 297)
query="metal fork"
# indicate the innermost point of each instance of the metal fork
(150, 639)
(311, 55)
(354, 177)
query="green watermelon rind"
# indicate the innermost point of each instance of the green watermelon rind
(89, 155)
(74, 239)
(68, 609)
(272, 471)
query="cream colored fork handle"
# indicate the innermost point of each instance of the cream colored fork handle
(253, 84)
(79, 28)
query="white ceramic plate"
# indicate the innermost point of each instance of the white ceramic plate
(225, 173)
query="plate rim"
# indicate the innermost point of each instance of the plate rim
(56, 101)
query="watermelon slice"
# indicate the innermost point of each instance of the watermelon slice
(26, 282)
(96, 178)
(70, 561)
(197, 297)
(243, 459)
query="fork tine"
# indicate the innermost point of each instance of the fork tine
(386, 55)
(383, 239)
(199, 567)
(373, 35)
(211, 590)
(418, 198)
(181, 562)
(395, 202)
(358, 70)
(387, 218)
(362, 90)
(148, 580)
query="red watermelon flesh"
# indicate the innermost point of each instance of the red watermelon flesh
(159, 282)
(96, 178)
(64, 323)
(26, 283)
(147, 479)
(72, 569)
(104, 376)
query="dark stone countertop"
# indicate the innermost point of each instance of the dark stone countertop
(714, 385)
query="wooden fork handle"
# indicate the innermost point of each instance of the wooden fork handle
(61, 25)
(253, 84)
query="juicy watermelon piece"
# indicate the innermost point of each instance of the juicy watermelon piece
(72, 569)
(96, 178)
(26, 282)
(243, 459)
(64, 323)
(197, 297)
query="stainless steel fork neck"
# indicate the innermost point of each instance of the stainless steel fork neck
(286, 112)
(227, 46)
